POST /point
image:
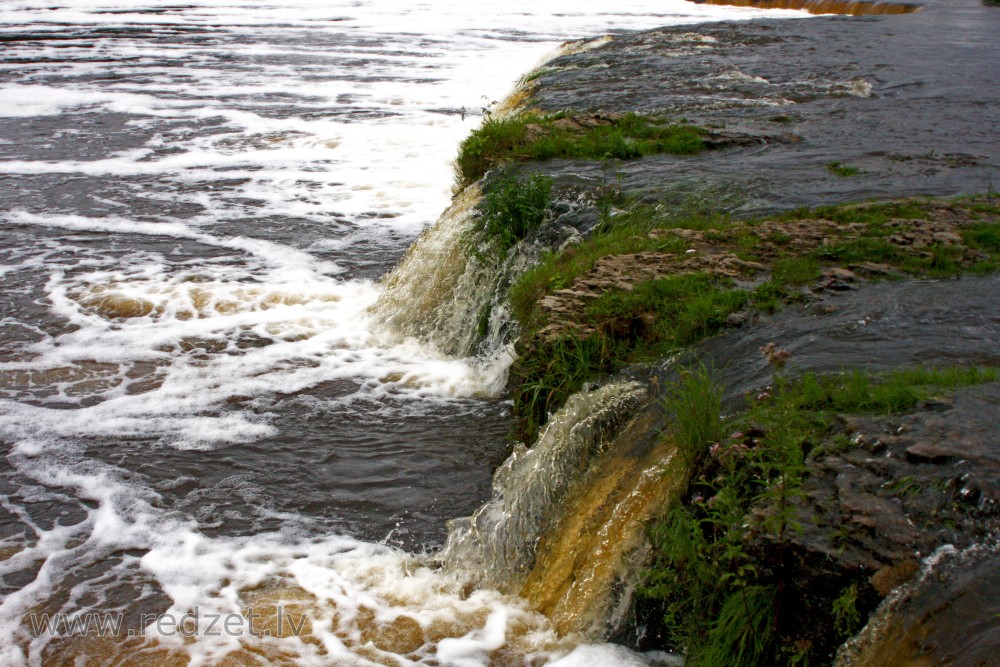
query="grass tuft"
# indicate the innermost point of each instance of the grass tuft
(527, 137)
(842, 169)
(514, 206)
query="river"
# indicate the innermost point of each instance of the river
(197, 413)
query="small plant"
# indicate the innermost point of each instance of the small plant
(609, 194)
(514, 206)
(846, 617)
(483, 325)
(842, 169)
(984, 236)
(536, 74)
(905, 487)
(696, 405)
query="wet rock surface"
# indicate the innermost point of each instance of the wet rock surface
(904, 99)
(878, 327)
(945, 615)
(909, 484)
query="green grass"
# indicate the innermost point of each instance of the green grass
(625, 233)
(509, 139)
(872, 214)
(545, 380)
(646, 323)
(673, 311)
(896, 392)
(514, 206)
(696, 403)
(795, 270)
(658, 317)
(536, 74)
(842, 169)
(724, 604)
(865, 248)
(652, 320)
(984, 237)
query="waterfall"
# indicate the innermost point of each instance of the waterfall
(450, 288)
(500, 539)
(565, 526)
(436, 291)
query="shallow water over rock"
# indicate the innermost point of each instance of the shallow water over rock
(906, 100)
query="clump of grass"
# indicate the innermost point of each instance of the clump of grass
(624, 233)
(985, 236)
(842, 169)
(514, 206)
(536, 74)
(723, 602)
(653, 319)
(742, 632)
(546, 379)
(898, 391)
(861, 249)
(674, 310)
(846, 617)
(529, 136)
(872, 214)
(696, 404)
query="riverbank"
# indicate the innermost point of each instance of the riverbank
(673, 186)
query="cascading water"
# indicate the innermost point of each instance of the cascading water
(199, 409)
(439, 287)
(565, 527)
(449, 290)
(500, 539)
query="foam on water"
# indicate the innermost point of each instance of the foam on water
(198, 203)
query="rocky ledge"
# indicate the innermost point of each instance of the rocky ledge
(894, 507)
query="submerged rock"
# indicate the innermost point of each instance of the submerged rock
(899, 98)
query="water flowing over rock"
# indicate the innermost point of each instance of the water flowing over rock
(450, 290)
(946, 615)
(501, 538)
(589, 562)
(565, 528)
(439, 287)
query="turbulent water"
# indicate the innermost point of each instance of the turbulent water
(196, 409)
